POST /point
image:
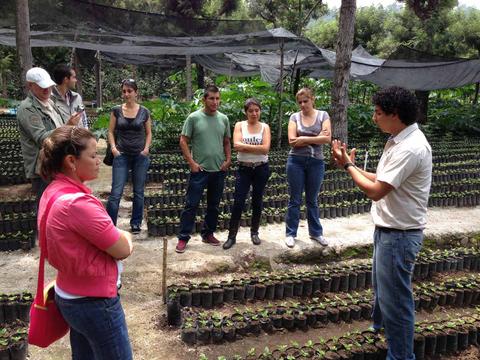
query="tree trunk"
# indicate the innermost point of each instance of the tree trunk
(296, 83)
(188, 77)
(200, 77)
(4, 86)
(3, 79)
(24, 51)
(342, 70)
(422, 98)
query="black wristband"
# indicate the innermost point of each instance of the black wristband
(347, 165)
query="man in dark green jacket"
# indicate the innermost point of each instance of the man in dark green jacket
(37, 117)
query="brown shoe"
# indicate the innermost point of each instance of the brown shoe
(210, 239)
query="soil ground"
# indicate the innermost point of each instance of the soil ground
(141, 293)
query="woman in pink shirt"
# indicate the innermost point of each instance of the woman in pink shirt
(84, 246)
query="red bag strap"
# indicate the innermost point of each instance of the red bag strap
(42, 239)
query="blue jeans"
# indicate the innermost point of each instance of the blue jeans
(197, 183)
(98, 330)
(307, 173)
(394, 257)
(122, 164)
(256, 178)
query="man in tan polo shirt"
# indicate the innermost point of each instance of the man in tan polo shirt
(399, 190)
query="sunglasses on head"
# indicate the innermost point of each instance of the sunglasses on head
(128, 81)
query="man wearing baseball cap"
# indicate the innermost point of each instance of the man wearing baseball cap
(37, 117)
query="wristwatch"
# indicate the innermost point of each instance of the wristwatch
(347, 165)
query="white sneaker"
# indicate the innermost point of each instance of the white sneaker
(290, 241)
(320, 239)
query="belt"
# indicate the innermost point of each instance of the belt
(389, 230)
(252, 164)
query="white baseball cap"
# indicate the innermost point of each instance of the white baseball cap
(40, 77)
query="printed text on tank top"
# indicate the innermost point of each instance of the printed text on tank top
(252, 134)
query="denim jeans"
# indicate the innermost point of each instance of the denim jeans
(256, 178)
(122, 164)
(394, 257)
(307, 173)
(98, 330)
(197, 183)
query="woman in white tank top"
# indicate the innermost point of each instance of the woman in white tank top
(251, 140)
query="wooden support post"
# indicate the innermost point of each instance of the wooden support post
(76, 65)
(188, 76)
(98, 79)
(164, 271)
(280, 115)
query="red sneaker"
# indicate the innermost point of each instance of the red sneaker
(181, 245)
(210, 239)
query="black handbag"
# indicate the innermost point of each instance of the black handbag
(108, 159)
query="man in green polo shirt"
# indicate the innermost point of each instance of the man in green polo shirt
(208, 132)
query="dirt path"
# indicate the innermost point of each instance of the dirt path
(141, 291)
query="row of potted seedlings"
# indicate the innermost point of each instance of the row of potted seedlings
(277, 286)
(18, 204)
(24, 240)
(272, 203)
(336, 277)
(432, 339)
(205, 328)
(303, 314)
(15, 307)
(169, 225)
(430, 261)
(22, 221)
(458, 199)
(167, 160)
(453, 292)
(171, 198)
(456, 186)
(13, 341)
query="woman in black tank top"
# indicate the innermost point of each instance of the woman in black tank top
(130, 136)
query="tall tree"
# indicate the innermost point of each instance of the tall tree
(431, 13)
(293, 15)
(24, 51)
(342, 70)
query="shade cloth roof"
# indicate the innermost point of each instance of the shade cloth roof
(232, 47)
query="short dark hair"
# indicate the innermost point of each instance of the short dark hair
(63, 141)
(210, 89)
(60, 72)
(399, 101)
(251, 101)
(131, 83)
